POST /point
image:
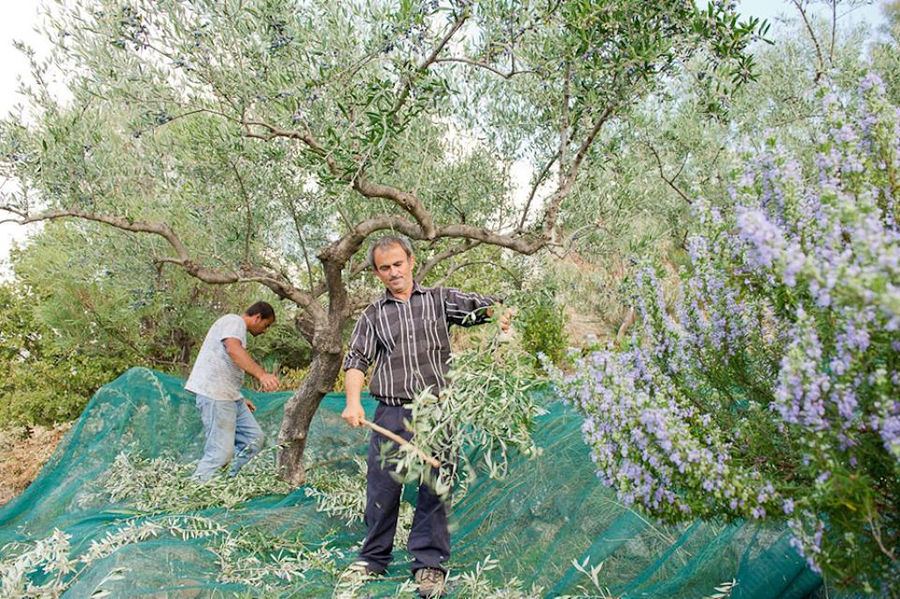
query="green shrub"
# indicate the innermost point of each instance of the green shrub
(43, 382)
(48, 389)
(542, 324)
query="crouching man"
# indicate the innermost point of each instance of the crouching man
(232, 433)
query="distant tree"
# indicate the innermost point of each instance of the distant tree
(886, 53)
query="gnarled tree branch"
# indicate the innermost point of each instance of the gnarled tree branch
(428, 61)
(425, 268)
(537, 183)
(662, 174)
(820, 68)
(245, 274)
(487, 67)
(567, 180)
(406, 200)
(458, 267)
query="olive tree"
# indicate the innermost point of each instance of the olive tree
(264, 141)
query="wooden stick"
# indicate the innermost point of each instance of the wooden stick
(401, 441)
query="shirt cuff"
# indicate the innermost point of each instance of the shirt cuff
(351, 363)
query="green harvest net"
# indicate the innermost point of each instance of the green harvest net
(547, 514)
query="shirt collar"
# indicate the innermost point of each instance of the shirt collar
(417, 289)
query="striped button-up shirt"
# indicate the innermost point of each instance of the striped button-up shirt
(409, 341)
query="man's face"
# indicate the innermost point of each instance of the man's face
(394, 268)
(258, 325)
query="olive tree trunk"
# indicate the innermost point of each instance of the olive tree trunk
(299, 412)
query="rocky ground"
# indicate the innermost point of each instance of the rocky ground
(25, 453)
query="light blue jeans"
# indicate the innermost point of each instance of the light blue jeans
(232, 435)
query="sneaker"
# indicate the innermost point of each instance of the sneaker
(358, 572)
(430, 581)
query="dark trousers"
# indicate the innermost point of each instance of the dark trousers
(429, 540)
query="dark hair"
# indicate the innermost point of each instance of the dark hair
(264, 309)
(386, 242)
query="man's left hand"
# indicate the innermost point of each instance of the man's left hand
(505, 318)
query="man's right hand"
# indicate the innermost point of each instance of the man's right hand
(354, 414)
(353, 383)
(269, 382)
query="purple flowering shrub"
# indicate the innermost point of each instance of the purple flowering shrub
(766, 388)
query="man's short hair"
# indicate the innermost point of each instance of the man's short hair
(386, 242)
(264, 309)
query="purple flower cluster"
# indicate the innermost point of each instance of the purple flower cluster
(765, 240)
(886, 420)
(838, 241)
(648, 441)
(707, 315)
(808, 532)
(802, 387)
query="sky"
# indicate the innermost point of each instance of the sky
(771, 9)
(20, 18)
(17, 23)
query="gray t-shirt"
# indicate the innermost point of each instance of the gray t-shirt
(215, 374)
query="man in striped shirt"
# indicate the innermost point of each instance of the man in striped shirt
(405, 334)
